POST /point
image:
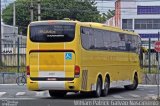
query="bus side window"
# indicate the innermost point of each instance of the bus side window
(127, 42)
(87, 38)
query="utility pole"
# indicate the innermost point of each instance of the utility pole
(14, 16)
(31, 10)
(149, 54)
(14, 24)
(158, 96)
(39, 10)
(0, 38)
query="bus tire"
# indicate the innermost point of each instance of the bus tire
(106, 87)
(134, 85)
(57, 93)
(98, 91)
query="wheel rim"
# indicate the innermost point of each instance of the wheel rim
(99, 88)
(106, 87)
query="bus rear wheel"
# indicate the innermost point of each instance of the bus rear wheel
(98, 92)
(57, 93)
(106, 87)
(134, 85)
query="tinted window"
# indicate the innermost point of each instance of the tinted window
(96, 39)
(115, 41)
(122, 45)
(87, 38)
(52, 33)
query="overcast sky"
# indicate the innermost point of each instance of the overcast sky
(104, 6)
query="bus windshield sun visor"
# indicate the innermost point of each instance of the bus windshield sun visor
(57, 32)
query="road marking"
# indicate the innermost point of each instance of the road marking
(2, 93)
(17, 98)
(117, 96)
(45, 93)
(140, 89)
(20, 93)
(151, 91)
(135, 96)
(151, 95)
(39, 93)
(71, 93)
(146, 85)
(7, 84)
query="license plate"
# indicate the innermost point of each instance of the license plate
(51, 79)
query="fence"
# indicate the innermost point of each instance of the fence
(13, 57)
(13, 61)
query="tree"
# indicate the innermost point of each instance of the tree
(110, 14)
(52, 10)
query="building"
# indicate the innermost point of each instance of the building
(141, 17)
(8, 34)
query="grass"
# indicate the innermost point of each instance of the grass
(153, 71)
(12, 69)
(23, 68)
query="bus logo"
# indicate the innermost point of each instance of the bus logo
(68, 56)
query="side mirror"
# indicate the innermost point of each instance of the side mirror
(144, 50)
(157, 56)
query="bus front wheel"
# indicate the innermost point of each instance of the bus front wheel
(57, 93)
(134, 85)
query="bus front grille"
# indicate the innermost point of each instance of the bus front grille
(84, 79)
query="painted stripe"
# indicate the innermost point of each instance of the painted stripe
(2, 93)
(64, 56)
(135, 96)
(140, 89)
(44, 93)
(39, 93)
(7, 84)
(140, 85)
(18, 98)
(38, 57)
(71, 93)
(20, 93)
(151, 91)
(64, 59)
(117, 96)
(151, 95)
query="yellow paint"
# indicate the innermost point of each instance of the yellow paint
(118, 65)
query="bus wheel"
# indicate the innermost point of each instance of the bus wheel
(57, 93)
(134, 85)
(106, 87)
(97, 93)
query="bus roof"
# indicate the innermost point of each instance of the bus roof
(92, 25)
(109, 28)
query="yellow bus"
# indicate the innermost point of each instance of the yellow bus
(72, 56)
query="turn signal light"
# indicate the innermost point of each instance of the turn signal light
(28, 70)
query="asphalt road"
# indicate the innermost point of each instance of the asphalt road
(20, 96)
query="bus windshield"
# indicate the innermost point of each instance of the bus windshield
(52, 33)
